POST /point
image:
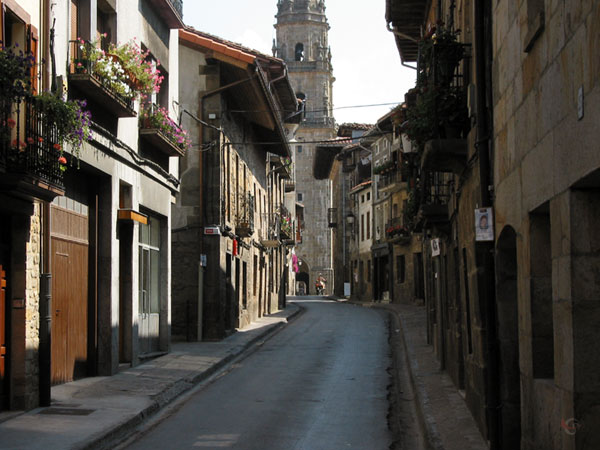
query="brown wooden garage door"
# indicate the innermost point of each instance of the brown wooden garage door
(2, 336)
(69, 294)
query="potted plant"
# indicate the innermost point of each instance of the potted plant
(157, 117)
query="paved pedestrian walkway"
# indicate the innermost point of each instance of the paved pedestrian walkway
(442, 412)
(91, 413)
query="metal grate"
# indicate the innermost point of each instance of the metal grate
(66, 411)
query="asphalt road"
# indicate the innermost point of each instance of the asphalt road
(320, 383)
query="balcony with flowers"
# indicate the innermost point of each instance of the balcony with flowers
(34, 131)
(159, 130)
(115, 77)
(286, 225)
(397, 232)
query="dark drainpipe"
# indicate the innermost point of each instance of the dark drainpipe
(485, 250)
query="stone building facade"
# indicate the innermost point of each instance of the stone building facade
(85, 246)
(546, 87)
(302, 42)
(512, 299)
(233, 233)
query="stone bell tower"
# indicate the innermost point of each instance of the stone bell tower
(302, 42)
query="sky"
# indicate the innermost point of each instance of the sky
(366, 63)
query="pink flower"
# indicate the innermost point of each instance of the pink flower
(30, 140)
(40, 140)
(56, 146)
(11, 123)
(62, 160)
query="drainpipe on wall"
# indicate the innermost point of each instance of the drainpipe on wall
(45, 301)
(484, 250)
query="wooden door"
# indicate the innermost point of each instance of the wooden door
(2, 336)
(69, 295)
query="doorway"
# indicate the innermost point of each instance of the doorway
(70, 271)
(149, 286)
(508, 374)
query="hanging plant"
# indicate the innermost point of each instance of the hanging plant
(71, 120)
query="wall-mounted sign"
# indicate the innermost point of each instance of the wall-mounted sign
(212, 230)
(435, 247)
(484, 224)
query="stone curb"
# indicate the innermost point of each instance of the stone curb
(425, 418)
(109, 438)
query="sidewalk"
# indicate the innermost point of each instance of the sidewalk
(92, 412)
(442, 413)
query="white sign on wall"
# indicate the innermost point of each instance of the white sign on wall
(435, 247)
(484, 224)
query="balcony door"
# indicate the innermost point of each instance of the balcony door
(149, 286)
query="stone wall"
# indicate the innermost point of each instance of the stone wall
(32, 309)
(546, 111)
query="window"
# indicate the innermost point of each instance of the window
(362, 198)
(299, 52)
(368, 196)
(299, 149)
(362, 227)
(542, 317)
(368, 225)
(400, 268)
(299, 196)
(149, 266)
(368, 270)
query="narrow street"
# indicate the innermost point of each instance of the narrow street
(318, 384)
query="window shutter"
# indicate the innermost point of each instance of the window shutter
(74, 14)
(32, 47)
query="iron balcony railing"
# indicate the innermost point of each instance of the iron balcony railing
(286, 225)
(29, 142)
(245, 218)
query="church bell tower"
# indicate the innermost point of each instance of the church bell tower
(302, 42)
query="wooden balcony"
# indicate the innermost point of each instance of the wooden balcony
(95, 91)
(84, 83)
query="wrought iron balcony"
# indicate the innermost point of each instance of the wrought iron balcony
(29, 159)
(244, 226)
(435, 195)
(286, 225)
